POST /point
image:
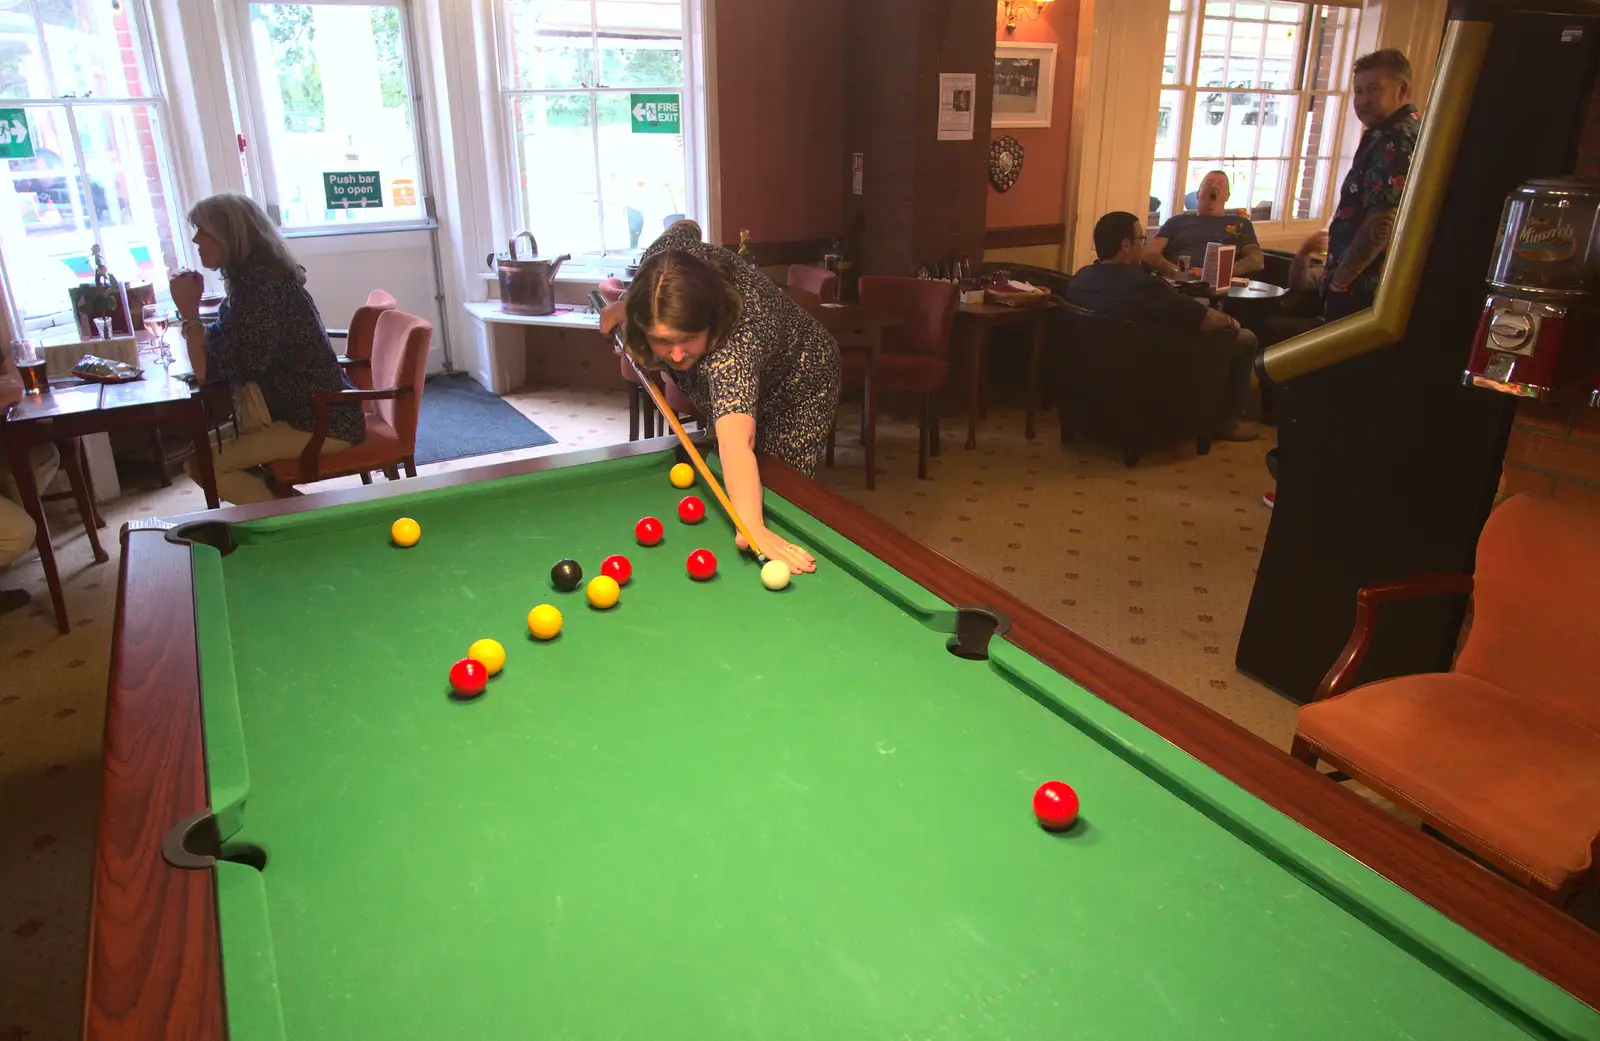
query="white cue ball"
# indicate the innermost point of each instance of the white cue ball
(774, 574)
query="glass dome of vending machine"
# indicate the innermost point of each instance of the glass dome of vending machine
(1545, 277)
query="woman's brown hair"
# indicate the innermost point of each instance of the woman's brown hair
(682, 292)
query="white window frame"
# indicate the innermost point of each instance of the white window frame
(696, 139)
(140, 20)
(1283, 227)
(258, 156)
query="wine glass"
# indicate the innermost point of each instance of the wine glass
(156, 322)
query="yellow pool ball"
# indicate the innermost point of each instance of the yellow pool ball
(544, 622)
(405, 532)
(681, 476)
(603, 591)
(489, 653)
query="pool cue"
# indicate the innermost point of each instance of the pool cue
(599, 304)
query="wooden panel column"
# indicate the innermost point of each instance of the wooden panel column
(921, 197)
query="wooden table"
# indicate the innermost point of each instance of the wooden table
(71, 411)
(974, 322)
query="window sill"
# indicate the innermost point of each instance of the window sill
(334, 231)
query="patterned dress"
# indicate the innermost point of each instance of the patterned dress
(779, 365)
(268, 332)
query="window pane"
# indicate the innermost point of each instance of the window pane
(1213, 68)
(1196, 172)
(93, 49)
(1160, 193)
(1324, 47)
(554, 141)
(1276, 119)
(641, 43)
(1282, 50)
(1169, 63)
(641, 62)
(1322, 126)
(552, 43)
(47, 222)
(1266, 187)
(1287, 13)
(1244, 55)
(1168, 122)
(337, 106)
(21, 67)
(123, 149)
(1311, 197)
(1243, 119)
(1206, 132)
(642, 177)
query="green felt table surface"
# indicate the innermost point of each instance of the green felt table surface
(717, 811)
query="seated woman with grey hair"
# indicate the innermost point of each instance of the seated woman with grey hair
(268, 344)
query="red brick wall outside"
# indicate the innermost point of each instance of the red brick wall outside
(1555, 446)
(147, 148)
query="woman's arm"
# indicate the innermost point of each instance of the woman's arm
(741, 476)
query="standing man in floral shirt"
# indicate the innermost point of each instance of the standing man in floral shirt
(1358, 237)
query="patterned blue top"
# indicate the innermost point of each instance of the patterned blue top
(268, 332)
(1376, 180)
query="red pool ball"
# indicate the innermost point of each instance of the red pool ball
(648, 531)
(468, 677)
(1056, 806)
(691, 510)
(617, 567)
(702, 565)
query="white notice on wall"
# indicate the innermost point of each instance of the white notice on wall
(957, 96)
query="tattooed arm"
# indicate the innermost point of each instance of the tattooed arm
(1372, 238)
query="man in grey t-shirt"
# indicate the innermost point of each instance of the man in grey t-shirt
(1187, 234)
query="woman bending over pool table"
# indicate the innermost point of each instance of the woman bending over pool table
(762, 370)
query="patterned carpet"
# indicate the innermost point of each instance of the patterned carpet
(1155, 563)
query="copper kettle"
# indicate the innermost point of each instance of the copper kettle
(527, 283)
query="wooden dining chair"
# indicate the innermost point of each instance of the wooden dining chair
(399, 369)
(916, 355)
(819, 282)
(356, 359)
(641, 410)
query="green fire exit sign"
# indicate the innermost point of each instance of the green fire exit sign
(655, 113)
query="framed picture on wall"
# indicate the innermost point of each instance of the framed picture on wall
(1024, 83)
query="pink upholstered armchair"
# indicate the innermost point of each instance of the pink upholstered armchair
(1502, 753)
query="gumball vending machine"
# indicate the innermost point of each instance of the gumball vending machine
(1538, 325)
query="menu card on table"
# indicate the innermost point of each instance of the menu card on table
(1219, 265)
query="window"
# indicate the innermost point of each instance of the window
(594, 94)
(1258, 89)
(85, 149)
(331, 90)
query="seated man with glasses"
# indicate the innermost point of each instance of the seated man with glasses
(1117, 285)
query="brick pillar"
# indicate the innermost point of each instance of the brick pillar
(149, 153)
(922, 198)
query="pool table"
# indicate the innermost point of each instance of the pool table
(719, 811)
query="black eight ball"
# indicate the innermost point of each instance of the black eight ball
(566, 575)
